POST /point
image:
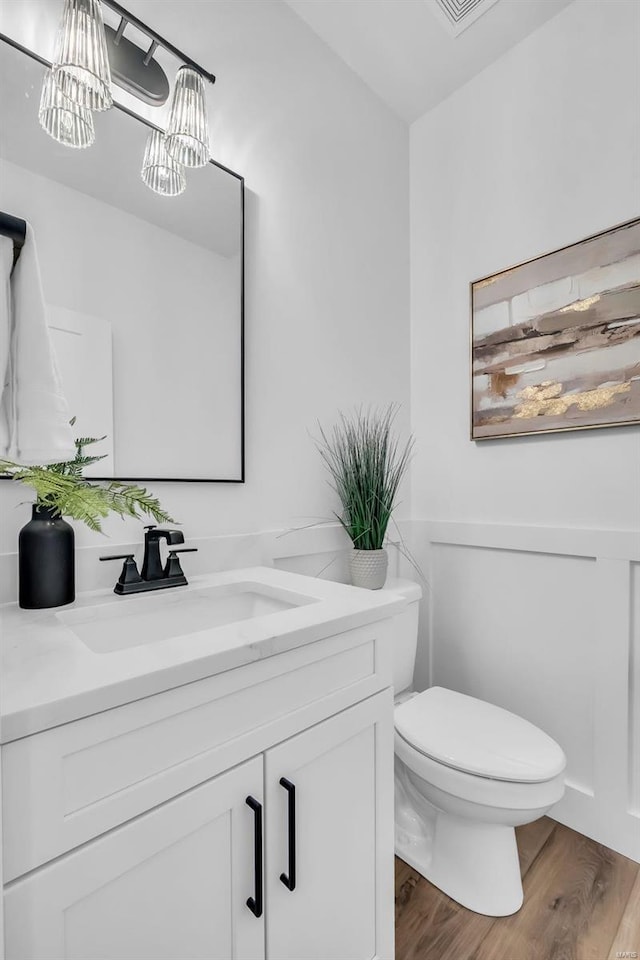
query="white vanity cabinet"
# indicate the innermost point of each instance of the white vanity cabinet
(169, 885)
(342, 903)
(128, 834)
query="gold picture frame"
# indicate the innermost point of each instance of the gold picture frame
(555, 340)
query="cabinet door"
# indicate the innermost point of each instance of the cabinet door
(170, 885)
(342, 905)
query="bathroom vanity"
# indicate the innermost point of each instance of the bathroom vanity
(203, 774)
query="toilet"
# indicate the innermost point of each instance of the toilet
(466, 774)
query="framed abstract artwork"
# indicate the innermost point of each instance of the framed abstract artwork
(555, 341)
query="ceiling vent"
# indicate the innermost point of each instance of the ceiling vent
(457, 15)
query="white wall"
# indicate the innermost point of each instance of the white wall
(326, 167)
(538, 151)
(530, 607)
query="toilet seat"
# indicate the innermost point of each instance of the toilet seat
(476, 738)
(482, 791)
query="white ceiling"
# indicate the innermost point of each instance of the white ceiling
(402, 50)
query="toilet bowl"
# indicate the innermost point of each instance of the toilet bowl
(466, 773)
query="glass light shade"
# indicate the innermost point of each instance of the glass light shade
(81, 65)
(160, 172)
(62, 119)
(188, 130)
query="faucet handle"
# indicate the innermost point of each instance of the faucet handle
(129, 573)
(173, 568)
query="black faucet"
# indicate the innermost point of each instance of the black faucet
(152, 568)
(154, 575)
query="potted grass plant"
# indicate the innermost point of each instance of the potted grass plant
(46, 562)
(366, 463)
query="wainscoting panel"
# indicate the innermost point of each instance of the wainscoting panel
(545, 622)
(518, 625)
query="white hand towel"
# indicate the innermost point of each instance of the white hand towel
(40, 431)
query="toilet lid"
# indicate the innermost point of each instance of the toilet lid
(477, 737)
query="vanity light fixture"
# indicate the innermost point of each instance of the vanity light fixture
(62, 119)
(187, 136)
(81, 66)
(134, 68)
(160, 171)
(87, 54)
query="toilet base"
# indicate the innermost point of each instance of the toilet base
(474, 863)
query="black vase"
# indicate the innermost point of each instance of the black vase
(46, 561)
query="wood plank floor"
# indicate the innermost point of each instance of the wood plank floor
(581, 902)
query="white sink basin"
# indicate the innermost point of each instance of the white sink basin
(140, 620)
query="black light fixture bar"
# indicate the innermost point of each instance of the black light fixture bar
(154, 37)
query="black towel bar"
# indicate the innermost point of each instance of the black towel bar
(16, 230)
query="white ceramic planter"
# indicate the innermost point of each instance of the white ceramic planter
(369, 568)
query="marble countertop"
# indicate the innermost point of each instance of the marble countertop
(51, 676)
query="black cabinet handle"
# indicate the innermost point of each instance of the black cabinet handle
(290, 879)
(255, 903)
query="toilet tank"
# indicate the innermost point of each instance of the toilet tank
(405, 633)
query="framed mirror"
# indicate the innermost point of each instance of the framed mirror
(143, 293)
